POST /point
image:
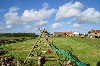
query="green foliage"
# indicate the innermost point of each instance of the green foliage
(18, 35)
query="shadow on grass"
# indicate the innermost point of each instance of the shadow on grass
(98, 63)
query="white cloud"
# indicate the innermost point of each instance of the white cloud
(56, 25)
(68, 10)
(88, 16)
(33, 15)
(45, 5)
(27, 27)
(13, 9)
(9, 26)
(12, 17)
(76, 25)
(41, 23)
(69, 22)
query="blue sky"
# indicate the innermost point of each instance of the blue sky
(53, 15)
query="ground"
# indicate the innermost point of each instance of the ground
(85, 49)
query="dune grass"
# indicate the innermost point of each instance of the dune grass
(85, 49)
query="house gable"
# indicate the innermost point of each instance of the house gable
(95, 31)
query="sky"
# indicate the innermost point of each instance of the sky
(53, 15)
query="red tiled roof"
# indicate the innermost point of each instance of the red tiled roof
(95, 31)
(68, 32)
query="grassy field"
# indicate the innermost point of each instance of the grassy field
(85, 49)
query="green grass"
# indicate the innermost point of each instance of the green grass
(85, 49)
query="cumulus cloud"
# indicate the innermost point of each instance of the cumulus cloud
(13, 9)
(56, 25)
(41, 23)
(12, 17)
(33, 15)
(76, 25)
(68, 10)
(88, 16)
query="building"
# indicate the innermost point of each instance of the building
(58, 34)
(76, 33)
(68, 33)
(63, 33)
(94, 33)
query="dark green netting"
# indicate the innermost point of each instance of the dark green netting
(68, 55)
